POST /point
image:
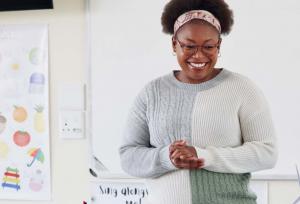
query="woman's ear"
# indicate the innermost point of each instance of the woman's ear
(220, 41)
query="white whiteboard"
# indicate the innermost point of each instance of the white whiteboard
(120, 192)
(128, 49)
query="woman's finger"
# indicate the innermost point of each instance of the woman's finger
(179, 143)
(181, 153)
(172, 148)
(176, 154)
(185, 156)
(177, 163)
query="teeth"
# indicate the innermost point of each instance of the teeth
(197, 65)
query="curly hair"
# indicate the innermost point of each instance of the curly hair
(175, 8)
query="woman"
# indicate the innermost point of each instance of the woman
(197, 133)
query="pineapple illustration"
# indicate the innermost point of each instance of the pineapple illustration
(39, 123)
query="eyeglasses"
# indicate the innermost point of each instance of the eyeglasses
(207, 49)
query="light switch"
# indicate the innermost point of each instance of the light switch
(71, 124)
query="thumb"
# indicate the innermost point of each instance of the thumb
(180, 142)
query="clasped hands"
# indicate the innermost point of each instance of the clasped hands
(184, 156)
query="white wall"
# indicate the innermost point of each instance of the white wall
(283, 192)
(69, 159)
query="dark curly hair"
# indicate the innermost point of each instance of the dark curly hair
(175, 8)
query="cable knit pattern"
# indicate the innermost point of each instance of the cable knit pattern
(226, 119)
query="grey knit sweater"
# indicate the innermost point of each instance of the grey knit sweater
(226, 119)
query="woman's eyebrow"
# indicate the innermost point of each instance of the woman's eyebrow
(193, 41)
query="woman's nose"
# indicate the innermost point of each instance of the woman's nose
(199, 53)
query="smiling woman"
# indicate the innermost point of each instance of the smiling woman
(130, 50)
(197, 133)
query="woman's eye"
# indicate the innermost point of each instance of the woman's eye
(190, 47)
(208, 47)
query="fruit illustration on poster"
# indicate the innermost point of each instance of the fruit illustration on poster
(19, 114)
(21, 138)
(3, 150)
(15, 66)
(2, 123)
(39, 123)
(36, 56)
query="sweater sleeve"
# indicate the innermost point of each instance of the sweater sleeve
(138, 157)
(259, 148)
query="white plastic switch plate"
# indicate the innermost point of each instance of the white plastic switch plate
(72, 96)
(71, 124)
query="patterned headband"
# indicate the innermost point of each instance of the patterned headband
(197, 14)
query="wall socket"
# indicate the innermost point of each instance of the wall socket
(71, 124)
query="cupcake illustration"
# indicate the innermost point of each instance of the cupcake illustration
(36, 182)
(37, 83)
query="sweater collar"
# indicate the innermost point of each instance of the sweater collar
(173, 81)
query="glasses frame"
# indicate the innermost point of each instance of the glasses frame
(183, 46)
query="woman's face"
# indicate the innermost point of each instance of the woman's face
(196, 45)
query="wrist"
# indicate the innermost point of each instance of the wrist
(194, 151)
(206, 155)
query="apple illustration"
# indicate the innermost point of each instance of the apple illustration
(21, 138)
(2, 123)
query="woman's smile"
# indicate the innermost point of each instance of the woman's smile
(196, 65)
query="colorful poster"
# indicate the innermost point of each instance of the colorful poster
(24, 113)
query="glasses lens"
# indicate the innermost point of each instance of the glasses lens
(189, 49)
(209, 49)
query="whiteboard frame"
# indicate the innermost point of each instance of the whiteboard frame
(94, 166)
